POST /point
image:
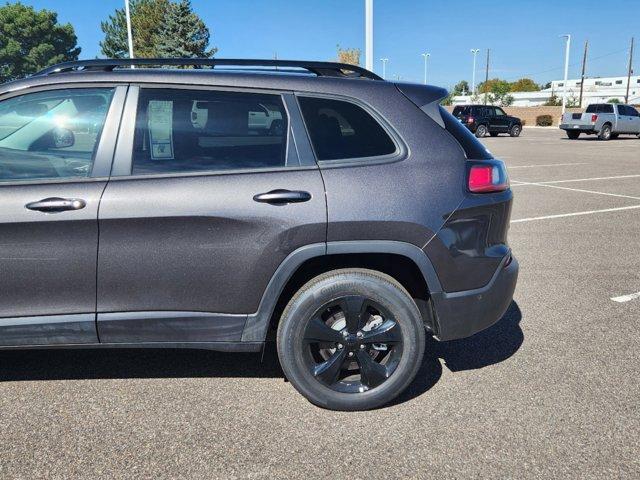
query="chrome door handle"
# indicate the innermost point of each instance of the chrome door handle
(56, 204)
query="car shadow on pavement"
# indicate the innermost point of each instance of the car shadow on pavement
(488, 347)
(491, 346)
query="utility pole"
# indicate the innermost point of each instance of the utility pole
(129, 33)
(384, 67)
(486, 78)
(474, 51)
(566, 72)
(630, 71)
(584, 65)
(426, 59)
(368, 37)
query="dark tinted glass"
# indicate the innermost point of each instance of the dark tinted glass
(606, 108)
(473, 149)
(622, 110)
(342, 130)
(632, 111)
(198, 130)
(593, 108)
(52, 134)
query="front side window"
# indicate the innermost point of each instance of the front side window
(204, 130)
(500, 112)
(342, 130)
(52, 134)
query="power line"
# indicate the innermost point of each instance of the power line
(590, 59)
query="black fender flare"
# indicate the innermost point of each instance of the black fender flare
(257, 324)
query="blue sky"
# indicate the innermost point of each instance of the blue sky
(522, 34)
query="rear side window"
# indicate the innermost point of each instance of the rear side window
(473, 149)
(600, 108)
(342, 130)
(203, 130)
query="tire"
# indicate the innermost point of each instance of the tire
(515, 130)
(605, 132)
(493, 134)
(481, 131)
(315, 340)
(572, 134)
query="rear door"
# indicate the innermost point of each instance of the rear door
(499, 120)
(634, 120)
(56, 147)
(209, 194)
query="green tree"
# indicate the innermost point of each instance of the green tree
(613, 100)
(31, 40)
(461, 88)
(147, 19)
(498, 92)
(525, 85)
(184, 34)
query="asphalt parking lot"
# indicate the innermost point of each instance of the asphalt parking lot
(550, 391)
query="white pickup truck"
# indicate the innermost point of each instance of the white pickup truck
(607, 120)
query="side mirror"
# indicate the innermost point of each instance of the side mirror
(62, 138)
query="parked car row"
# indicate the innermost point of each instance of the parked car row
(606, 120)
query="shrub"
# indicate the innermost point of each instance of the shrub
(544, 121)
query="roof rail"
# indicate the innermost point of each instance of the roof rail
(321, 69)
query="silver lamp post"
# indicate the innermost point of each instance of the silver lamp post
(474, 51)
(129, 33)
(426, 60)
(384, 67)
(566, 71)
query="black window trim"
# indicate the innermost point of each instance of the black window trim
(102, 162)
(401, 152)
(123, 159)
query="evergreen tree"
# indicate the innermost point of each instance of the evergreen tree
(147, 18)
(31, 40)
(184, 34)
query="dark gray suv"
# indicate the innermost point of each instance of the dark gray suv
(224, 205)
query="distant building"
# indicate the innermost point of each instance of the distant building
(595, 90)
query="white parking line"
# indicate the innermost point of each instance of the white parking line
(575, 214)
(546, 165)
(626, 298)
(578, 190)
(577, 180)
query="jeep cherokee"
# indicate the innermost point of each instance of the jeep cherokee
(239, 201)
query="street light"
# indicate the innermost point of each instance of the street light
(473, 81)
(566, 71)
(129, 34)
(384, 67)
(426, 59)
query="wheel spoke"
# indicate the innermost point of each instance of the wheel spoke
(353, 307)
(372, 373)
(329, 370)
(317, 331)
(388, 332)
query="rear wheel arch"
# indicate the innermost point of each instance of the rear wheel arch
(404, 262)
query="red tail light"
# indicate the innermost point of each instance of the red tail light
(594, 117)
(487, 177)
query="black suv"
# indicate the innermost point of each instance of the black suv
(483, 119)
(212, 207)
